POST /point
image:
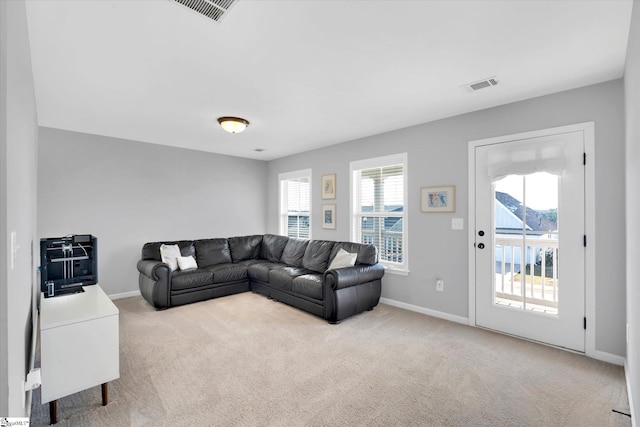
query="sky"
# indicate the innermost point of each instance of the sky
(541, 189)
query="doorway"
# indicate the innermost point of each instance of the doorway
(527, 231)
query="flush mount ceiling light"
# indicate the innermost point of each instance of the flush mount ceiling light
(233, 124)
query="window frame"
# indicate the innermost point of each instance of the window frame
(283, 211)
(381, 162)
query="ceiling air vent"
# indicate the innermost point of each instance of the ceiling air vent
(213, 9)
(481, 84)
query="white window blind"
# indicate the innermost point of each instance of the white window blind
(379, 206)
(528, 157)
(295, 204)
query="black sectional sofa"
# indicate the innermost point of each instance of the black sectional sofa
(293, 271)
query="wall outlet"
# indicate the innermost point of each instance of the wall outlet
(439, 285)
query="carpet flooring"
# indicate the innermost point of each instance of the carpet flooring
(245, 360)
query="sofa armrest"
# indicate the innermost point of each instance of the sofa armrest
(350, 276)
(153, 269)
(155, 282)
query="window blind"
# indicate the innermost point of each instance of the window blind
(379, 201)
(528, 157)
(295, 204)
(298, 208)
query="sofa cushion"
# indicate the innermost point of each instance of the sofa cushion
(282, 277)
(294, 252)
(152, 250)
(247, 262)
(212, 251)
(245, 247)
(367, 254)
(260, 270)
(187, 262)
(272, 247)
(227, 272)
(191, 279)
(343, 259)
(309, 285)
(169, 255)
(316, 256)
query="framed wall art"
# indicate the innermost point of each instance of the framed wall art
(438, 199)
(329, 216)
(329, 186)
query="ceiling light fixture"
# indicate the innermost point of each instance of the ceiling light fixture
(233, 124)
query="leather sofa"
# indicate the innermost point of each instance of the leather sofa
(290, 270)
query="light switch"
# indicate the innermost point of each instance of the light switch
(457, 223)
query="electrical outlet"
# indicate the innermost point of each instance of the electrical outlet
(439, 285)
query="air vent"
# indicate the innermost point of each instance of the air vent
(212, 9)
(481, 84)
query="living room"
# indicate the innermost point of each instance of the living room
(128, 192)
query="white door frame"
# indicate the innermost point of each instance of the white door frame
(588, 129)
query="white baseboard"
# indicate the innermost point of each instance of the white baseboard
(124, 295)
(427, 311)
(598, 355)
(630, 395)
(607, 357)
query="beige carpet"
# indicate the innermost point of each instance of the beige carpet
(245, 360)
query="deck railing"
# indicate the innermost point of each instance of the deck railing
(527, 270)
(389, 244)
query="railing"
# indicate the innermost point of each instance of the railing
(527, 270)
(389, 244)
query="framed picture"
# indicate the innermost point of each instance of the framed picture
(329, 186)
(438, 199)
(329, 216)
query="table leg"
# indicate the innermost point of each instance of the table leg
(105, 394)
(53, 411)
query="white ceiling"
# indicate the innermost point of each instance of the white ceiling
(306, 74)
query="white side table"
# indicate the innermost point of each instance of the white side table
(79, 345)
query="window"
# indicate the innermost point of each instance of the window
(295, 204)
(379, 206)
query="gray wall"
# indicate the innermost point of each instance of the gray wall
(437, 153)
(127, 193)
(18, 171)
(632, 109)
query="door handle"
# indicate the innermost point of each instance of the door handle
(480, 245)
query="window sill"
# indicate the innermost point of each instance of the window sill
(397, 271)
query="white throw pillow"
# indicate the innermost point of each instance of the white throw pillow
(169, 255)
(187, 262)
(343, 259)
